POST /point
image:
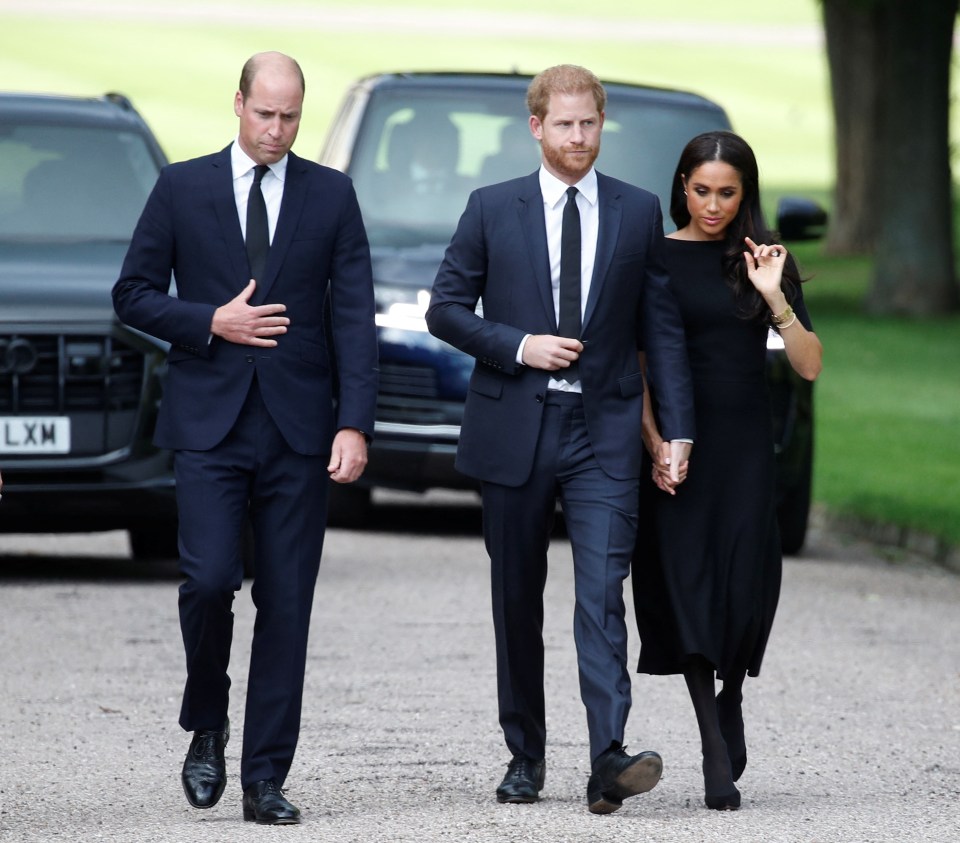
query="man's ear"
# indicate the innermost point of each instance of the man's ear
(536, 127)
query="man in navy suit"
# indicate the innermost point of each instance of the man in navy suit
(248, 408)
(554, 410)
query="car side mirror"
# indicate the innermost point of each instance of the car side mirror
(800, 219)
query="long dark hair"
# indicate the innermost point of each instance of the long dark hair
(749, 222)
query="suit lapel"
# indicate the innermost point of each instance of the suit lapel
(611, 212)
(534, 227)
(225, 203)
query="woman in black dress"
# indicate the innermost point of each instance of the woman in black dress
(707, 569)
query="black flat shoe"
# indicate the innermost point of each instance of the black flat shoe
(204, 773)
(617, 776)
(523, 781)
(727, 802)
(264, 803)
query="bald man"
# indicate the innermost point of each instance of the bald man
(259, 242)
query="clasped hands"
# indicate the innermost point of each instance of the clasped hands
(671, 462)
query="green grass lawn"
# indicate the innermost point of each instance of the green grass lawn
(888, 402)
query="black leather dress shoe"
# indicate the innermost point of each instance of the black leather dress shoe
(204, 774)
(523, 781)
(617, 775)
(264, 803)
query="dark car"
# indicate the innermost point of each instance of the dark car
(415, 145)
(78, 390)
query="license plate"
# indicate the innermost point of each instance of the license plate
(34, 435)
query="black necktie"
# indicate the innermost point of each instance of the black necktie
(568, 324)
(258, 230)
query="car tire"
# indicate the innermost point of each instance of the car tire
(348, 506)
(149, 542)
(793, 512)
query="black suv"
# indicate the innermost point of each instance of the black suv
(415, 145)
(78, 390)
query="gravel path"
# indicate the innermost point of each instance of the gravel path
(853, 728)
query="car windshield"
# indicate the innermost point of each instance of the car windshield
(61, 183)
(420, 152)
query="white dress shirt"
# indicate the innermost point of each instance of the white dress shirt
(554, 194)
(271, 186)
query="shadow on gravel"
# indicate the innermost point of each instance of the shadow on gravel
(442, 514)
(23, 567)
(82, 559)
(433, 519)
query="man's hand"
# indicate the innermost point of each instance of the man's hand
(544, 351)
(237, 322)
(348, 458)
(679, 460)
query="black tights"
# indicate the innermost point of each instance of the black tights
(721, 725)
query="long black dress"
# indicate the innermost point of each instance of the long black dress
(706, 574)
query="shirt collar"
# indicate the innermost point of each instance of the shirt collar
(553, 189)
(243, 163)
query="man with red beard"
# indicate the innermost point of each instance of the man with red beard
(568, 264)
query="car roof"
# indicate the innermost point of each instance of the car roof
(106, 110)
(520, 82)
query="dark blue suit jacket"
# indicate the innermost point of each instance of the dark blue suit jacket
(190, 225)
(499, 254)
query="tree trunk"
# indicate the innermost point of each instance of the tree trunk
(853, 36)
(914, 272)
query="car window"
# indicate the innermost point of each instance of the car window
(420, 152)
(72, 182)
(642, 141)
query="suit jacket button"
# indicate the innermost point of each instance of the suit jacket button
(250, 358)
(539, 398)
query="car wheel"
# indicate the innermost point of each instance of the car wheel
(348, 507)
(793, 512)
(154, 541)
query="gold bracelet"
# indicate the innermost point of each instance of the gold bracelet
(793, 319)
(780, 319)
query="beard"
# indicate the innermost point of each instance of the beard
(564, 163)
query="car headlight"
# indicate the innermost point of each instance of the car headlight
(404, 314)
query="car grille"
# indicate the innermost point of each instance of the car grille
(71, 373)
(409, 395)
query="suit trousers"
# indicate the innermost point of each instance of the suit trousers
(253, 474)
(600, 513)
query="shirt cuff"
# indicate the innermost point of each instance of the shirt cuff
(523, 343)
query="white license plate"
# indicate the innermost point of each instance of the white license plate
(34, 435)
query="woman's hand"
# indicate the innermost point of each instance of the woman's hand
(765, 267)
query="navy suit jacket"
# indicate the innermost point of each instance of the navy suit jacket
(499, 255)
(190, 225)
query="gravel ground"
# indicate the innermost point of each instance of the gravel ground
(853, 729)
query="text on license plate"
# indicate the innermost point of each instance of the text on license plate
(34, 435)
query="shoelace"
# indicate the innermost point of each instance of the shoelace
(521, 768)
(206, 746)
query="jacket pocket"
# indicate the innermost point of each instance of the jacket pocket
(631, 385)
(486, 384)
(314, 353)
